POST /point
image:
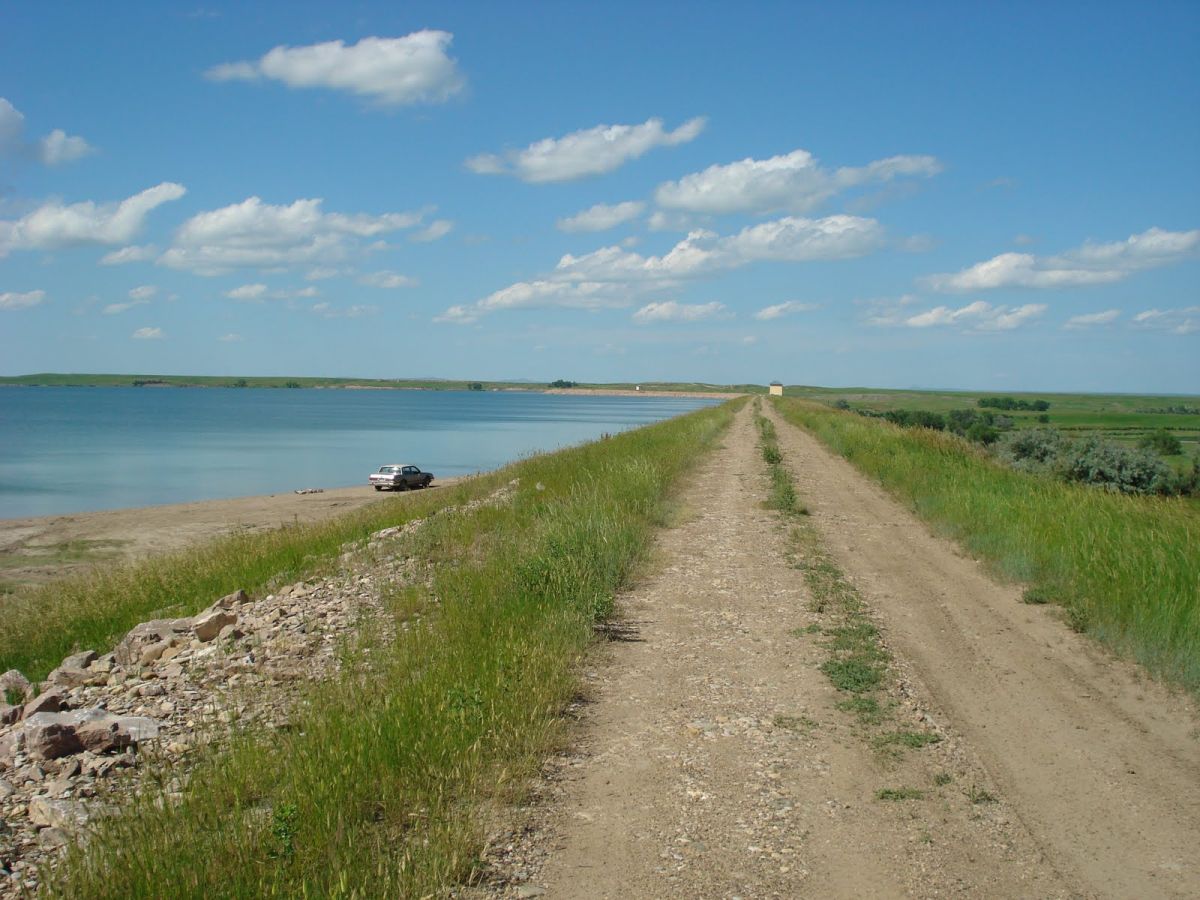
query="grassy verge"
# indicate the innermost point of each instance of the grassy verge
(1126, 569)
(380, 788)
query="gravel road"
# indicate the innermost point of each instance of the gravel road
(711, 758)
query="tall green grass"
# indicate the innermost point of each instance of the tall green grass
(1127, 569)
(383, 787)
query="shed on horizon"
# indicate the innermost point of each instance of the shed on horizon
(776, 389)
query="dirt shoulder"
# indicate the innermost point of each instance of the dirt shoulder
(35, 550)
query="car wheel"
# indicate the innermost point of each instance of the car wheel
(402, 486)
(378, 487)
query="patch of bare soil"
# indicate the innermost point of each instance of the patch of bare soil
(712, 760)
(36, 550)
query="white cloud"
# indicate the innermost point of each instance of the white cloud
(231, 338)
(10, 300)
(1176, 321)
(1088, 320)
(1086, 265)
(779, 310)
(148, 334)
(54, 225)
(247, 292)
(391, 71)
(253, 234)
(255, 292)
(116, 308)
(129, 255)
(54, 149)
(435, 230)
(591, 151)
(615, 277)
(671, 311)
(602, 216)
(386, 279)
(143, 292)
(320, 273)
(58, 147)
(977, 316)
(794, 183)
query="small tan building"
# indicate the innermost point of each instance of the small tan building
(776, 389)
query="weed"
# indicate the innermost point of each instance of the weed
(941, 779)
(977, 794)
(1036, 595)
(14, 696)
(913, 740)
(899, 794)
(853, 675)
(814, 628)
(795, 723)
(867, 709)
(283, 829)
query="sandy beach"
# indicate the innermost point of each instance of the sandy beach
(38, 549)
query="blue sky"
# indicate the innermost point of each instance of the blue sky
(999, 196)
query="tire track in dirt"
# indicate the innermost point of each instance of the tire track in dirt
(712, 761)
(1098, 761)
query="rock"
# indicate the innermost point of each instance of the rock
(53, 838)
(207, 626)
(14, 681)
(48, 701)
(102, 734)
(229, 601)
(6, 790)
(230, 633)
(105, 663)
(69, 677)
(64, 814)
(10, 714)
(129, 650)
(153, 651)
(79, 660)
(49, 735)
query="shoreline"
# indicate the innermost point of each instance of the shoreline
(37, 549)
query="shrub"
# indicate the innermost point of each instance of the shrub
(1034, 450)
(1121, 469)
(1162, 442)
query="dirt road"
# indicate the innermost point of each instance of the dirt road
(713, 760)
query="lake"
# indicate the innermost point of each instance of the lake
(72, 449)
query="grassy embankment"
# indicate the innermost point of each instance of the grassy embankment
(381, 787)
(1126, 568)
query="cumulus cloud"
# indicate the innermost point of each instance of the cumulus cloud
(54, 225)
(10, 300)
(616, 277)
(320, 273)
(794, 182)
(779, 310)
(143, 292)
(591, 151)
(253, 234)
(247, 292)
(976, 317)
(671, 311)
(386, 279)
(129, 255)
(1087, 265)
(390, 71)
(435, 230)
(1089, 320)
(148, 334)
(54, 149)
(602, 216)
(1175, 321)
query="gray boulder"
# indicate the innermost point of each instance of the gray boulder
(207, 626)
(129, 651)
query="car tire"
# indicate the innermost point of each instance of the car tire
(402, 486)
(378, 487)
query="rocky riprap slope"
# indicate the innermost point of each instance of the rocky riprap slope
(102, 726)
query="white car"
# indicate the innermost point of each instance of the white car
(399, 477)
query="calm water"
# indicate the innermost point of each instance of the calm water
(76, 449)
